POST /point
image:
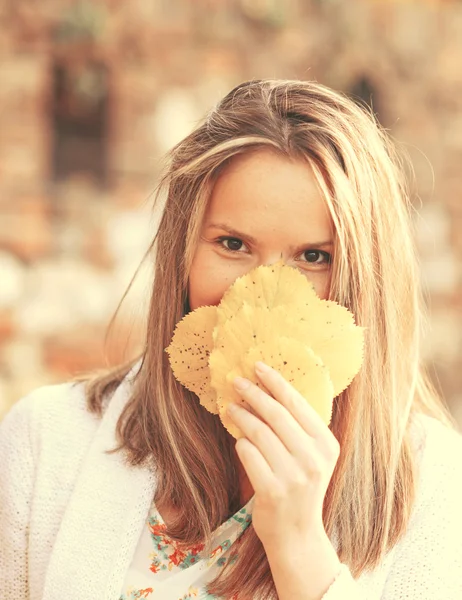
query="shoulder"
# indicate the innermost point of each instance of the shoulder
(439, 468)
(47, 413)
(436, 443)
(426, 562)
(44, 439)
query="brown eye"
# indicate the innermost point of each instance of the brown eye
(317, 257)
(232, 244)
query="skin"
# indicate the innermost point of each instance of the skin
(275, 201)
(264, 207)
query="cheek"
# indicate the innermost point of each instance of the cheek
(208, 281)
(321, 284)
(202, 290)
(207, 285)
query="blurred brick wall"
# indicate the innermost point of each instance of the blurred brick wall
(69, 245)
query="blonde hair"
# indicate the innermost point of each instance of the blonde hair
(374, 274)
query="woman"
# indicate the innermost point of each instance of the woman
(125, 487)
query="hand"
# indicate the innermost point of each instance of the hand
(289, 455)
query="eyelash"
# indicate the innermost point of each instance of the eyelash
(227, 238)
(326, 255)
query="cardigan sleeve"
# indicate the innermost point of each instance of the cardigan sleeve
(16, 484)
(427, 562)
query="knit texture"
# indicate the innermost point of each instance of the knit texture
(71, 514)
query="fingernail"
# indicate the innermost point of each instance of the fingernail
(262, 367)
(241, 384)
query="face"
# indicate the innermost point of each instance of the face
(264, 207)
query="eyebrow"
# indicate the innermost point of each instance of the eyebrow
(232, 231)
(239, 234)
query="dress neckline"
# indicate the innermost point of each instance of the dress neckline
(240, 516)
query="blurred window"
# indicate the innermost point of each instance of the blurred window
(363, 91)
(80, 119)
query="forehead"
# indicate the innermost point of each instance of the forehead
(264, 187)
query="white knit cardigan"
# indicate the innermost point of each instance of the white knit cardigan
(71, 515)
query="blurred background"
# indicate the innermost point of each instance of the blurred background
(92, 94)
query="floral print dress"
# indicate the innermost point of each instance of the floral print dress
(161, 570)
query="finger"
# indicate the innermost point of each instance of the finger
(262, 437)
(283, 424)
(293, 401)
(258, 471)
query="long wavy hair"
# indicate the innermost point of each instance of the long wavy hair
(374, 274)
